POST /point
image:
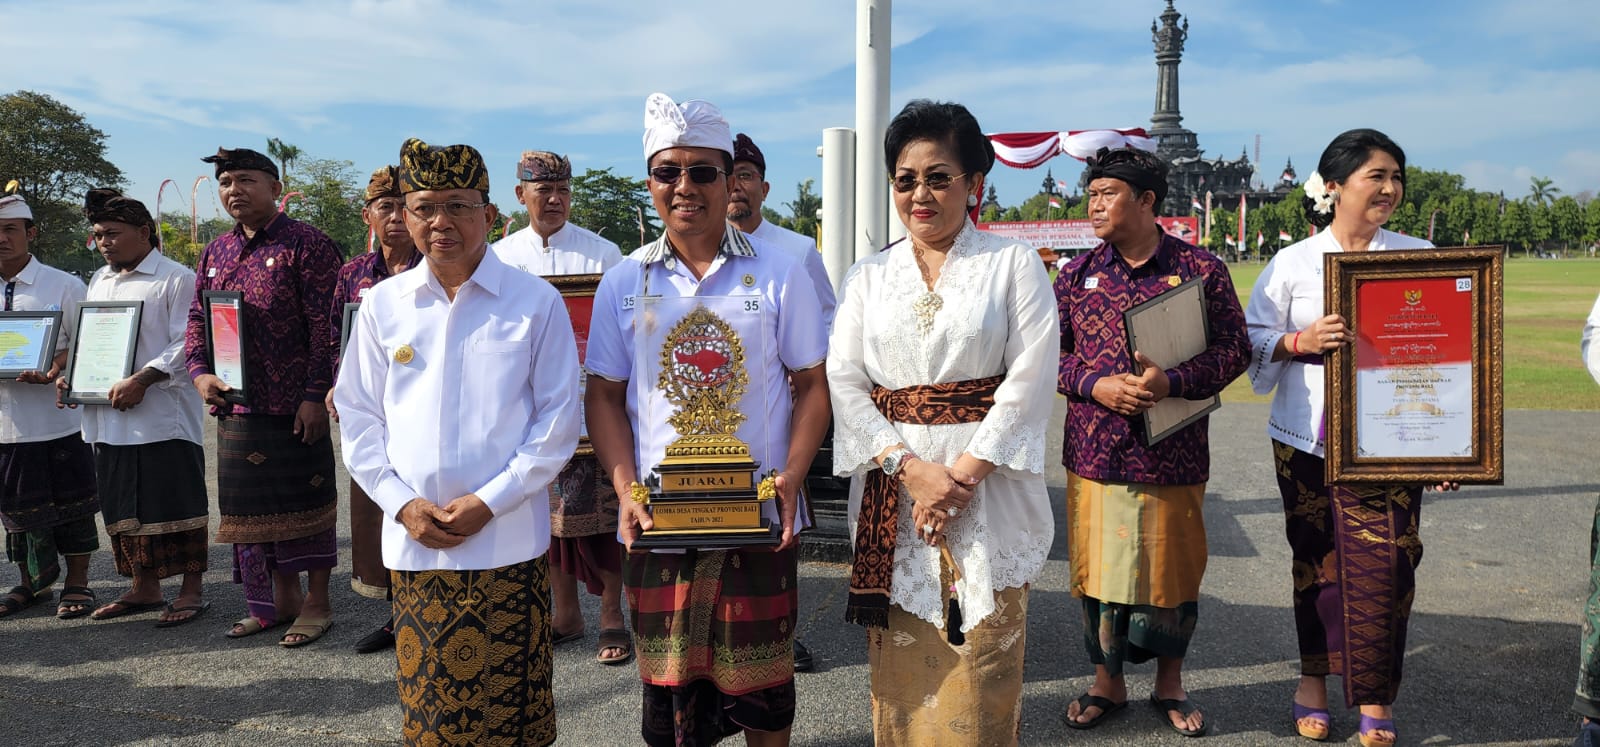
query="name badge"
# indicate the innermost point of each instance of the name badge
(1091, 283)
(211, 273)
(627, 302)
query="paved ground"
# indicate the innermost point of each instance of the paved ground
(1490, 660)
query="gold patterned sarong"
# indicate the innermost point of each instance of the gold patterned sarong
(474, 656)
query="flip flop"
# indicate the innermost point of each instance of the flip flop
(310, 627)
(1318, 716)
(615, 638)
(1087, 701)
(70, 609)
(557, 638)
(251, 626)
(197, 609)
(9, 606)
(1184, 707)
(120, 608)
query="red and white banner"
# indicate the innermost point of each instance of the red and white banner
(1027, 150)
(1078, 234)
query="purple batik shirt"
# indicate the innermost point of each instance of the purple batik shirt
(355, 278)
(286, 273)
(1092, 292)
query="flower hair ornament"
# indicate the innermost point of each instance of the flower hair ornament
(1321, 199)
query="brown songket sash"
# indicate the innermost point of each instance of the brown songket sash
(873, 565)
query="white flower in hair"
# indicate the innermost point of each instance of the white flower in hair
(1317, 190)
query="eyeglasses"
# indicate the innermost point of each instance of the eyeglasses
(936, 181)
(454, 209)
(747, 177)
(698, 174)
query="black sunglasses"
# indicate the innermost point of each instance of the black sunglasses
(697, 174)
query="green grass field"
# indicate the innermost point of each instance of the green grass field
(1545, 305)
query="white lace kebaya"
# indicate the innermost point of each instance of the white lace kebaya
(998, 317)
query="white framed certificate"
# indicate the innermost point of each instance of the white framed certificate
(102, 350)
(27, 341)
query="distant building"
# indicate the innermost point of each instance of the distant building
(1192, 174)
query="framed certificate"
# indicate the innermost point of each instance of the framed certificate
(225, 341)
(27, 341)
(350, 310)
(102, 350)
(1417, 396)
(1170, 329)
(578, 293)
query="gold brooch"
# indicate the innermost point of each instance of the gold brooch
(404, 354)
(1174, 281)
(749, 280)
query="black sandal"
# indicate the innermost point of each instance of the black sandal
(10, 606)
(1184, 708)
(1087, 701)
(73, 608)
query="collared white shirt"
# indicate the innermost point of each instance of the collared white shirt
(439, 399)
(1591, 342)
(571, 250)
(28, 412)
(171, 408)
(1287, 298)
(804, 248)
(794, 338)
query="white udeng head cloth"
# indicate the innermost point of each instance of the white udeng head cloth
(12, 207)
(692, 124)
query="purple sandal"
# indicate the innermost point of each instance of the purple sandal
(1318, 715)
(1369, 725)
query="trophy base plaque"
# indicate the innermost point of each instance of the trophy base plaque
(711, 506)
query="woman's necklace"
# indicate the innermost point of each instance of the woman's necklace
(929, 303)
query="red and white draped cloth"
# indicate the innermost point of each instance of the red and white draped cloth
(1028, 150)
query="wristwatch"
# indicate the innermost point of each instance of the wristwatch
(896, 460)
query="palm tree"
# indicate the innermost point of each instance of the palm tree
(1542, 190)
(284, 153)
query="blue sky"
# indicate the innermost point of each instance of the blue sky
(1497, 91)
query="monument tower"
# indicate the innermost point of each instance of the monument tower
(1172, 140)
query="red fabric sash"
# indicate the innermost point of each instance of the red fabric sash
(873, 565)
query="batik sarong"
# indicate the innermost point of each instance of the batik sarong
(1355, 550)
(583, 524)
(714, 633)
(926, 691)
(474, 656)
(153, 500)
(1138, 553)
(47, 505)
(254, 564)
(1586, 700)
(38, 552)
(270, 486)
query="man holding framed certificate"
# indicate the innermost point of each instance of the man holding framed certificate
(47, 500)
(146, 428)
(259, 347)
(1137, 534)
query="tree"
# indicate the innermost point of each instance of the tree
(331, 200)
(1566, 222)
(175, 235)
(1516, 228)
(803, 211)
(771, 216)
(56, 156)
(611, 205)
(1542, 190)
(1591, 222)
(285, 154)
(991, 199)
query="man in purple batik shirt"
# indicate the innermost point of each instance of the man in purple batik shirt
(275, 473)
(1136, 535)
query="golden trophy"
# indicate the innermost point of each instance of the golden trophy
(705, 492)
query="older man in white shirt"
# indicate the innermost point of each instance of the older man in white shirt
(459, 404)
(47, 499)
(583, 507)
(148, 457)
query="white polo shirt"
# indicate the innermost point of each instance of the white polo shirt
(804, 249)
(795, 338)
(28, 412)
(572, 250)
(171, 408)
(438, 399)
